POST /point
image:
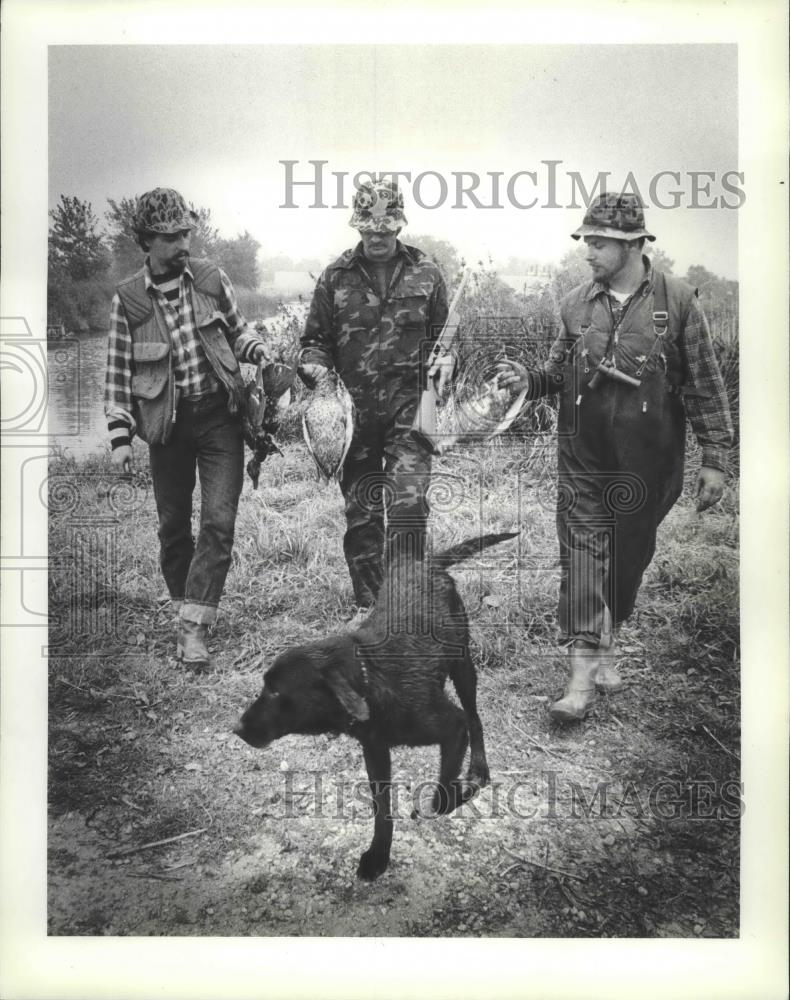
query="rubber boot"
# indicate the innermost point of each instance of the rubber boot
(579, 695)
(191, 649)
(607, 679)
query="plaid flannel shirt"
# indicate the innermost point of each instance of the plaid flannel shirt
(191, 368)
(707, 407)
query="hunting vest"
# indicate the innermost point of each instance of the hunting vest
(627, 422)
(154, 395)
(647, 336)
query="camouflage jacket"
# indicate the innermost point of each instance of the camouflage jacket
(378, 346)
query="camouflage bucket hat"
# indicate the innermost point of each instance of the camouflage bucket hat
(378, 208)
(163, 210)
(617, 216)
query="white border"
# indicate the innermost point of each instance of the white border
(37, 967)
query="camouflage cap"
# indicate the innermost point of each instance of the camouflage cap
(378, 208)
(163, 210)
(617, 216)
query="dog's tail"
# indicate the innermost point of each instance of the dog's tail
(471, 547)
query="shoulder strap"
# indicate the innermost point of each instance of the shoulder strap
(660, 314)
(135, 300)
(137, 303)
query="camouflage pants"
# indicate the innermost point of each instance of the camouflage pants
(385, 479)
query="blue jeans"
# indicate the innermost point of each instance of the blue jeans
(208, 439)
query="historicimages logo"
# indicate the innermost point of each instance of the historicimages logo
(546, 185)
(90, 507)
(23, 436)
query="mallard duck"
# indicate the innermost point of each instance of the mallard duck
(328, 425)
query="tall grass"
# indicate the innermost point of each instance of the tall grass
(125, 716)
(293, 526)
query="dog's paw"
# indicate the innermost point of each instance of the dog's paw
(371, 865)
(478, 776)
(424, 805)
(468, 791)
(447, 799)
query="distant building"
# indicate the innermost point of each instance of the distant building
(528, 284)
(288, 284)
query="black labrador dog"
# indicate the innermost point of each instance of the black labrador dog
(384, 685)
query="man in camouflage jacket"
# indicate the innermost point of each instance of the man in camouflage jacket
(374, 313)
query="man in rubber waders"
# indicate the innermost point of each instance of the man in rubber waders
(634, 359)
(374, 313)
(176, 338)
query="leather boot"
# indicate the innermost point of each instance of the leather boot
(192, 649)
(579, 695)
(607, 679)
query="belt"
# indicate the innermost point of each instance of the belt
(205, 400)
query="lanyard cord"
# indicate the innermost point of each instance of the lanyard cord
(614, 336)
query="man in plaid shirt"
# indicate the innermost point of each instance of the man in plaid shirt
(634, 358)
(175, 342)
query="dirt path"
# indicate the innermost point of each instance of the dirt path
(284, 829)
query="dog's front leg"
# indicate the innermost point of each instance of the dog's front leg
(376, 858)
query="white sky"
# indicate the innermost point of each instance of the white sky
(214, 122)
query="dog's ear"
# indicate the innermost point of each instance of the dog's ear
(352, 702)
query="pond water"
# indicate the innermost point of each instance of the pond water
(76, 395)
(76, 383)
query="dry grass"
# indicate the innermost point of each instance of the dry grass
(143, 749)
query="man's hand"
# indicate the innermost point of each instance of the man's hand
(512, 375)
(710, 486)
(122, 459)
(310, 374)
(443, 367)
(260, 354)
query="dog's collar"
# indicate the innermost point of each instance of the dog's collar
(352, 721)
(363, 667)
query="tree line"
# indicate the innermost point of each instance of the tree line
(87, 257)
